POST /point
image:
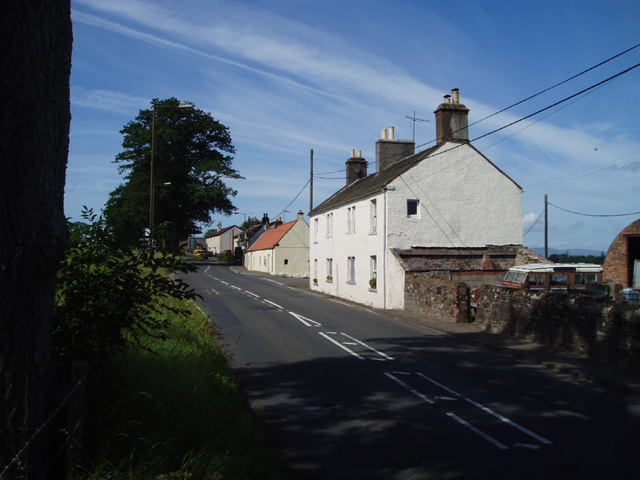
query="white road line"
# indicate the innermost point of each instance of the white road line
(224, 282)
(479, 432)
(489, 411)
(370, 348)
(235, 287)
(252, 294)
(342, 346)
(307, 321)
(274, 304)
(207, 269)
(412, 390)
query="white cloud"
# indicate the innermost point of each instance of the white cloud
(106, 100)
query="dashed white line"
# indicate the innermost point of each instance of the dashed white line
(412, 390)
(478, 431)
(341, 346)
(369, 347)
(274, 304)
(252, 294)
(237, 288)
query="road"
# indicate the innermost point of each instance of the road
(345, 392)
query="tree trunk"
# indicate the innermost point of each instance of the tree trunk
(35, 66)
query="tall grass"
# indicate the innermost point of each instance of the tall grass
(173, 411)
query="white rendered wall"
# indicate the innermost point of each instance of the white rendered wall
(294, 247)
(361, 245)
(464, 201)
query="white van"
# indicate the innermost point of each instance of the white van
(554, 276)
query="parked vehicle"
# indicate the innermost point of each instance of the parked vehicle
(200, 253)
(552, 277)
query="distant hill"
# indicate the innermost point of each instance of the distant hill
(572, 251)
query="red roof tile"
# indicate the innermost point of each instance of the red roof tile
(269, 239)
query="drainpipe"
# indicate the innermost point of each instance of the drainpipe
(384, 253)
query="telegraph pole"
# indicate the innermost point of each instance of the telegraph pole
(311, 184)
(546, 227)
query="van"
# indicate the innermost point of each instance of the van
(554, 277)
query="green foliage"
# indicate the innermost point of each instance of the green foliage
(566, 258)
(192, 151)
(173, 410)
(107, 295)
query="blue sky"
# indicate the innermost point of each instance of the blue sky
(288, 76)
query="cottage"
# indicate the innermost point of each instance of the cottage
(283, 249)
(449, 198)
(222, 239)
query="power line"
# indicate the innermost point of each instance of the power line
(534, 223)
(299, 193)
(592, 215)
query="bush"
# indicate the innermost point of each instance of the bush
(106, 293)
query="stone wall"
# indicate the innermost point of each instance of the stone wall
(587, 325)
(445, 300)
(617, 263)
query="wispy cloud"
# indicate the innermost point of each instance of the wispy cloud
(106, 100)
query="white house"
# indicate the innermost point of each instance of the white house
(222, 239)
(449, 196)
(283, 249)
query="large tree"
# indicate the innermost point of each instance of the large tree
(192, 151)
(35, 67)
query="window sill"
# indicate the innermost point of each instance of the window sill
(329, 281)
(351, 282)
(374, 290)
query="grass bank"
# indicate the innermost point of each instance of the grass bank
(175, 412)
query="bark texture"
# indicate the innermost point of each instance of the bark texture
(35, 65)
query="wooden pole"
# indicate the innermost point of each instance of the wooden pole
(311, 184)
(546, 227)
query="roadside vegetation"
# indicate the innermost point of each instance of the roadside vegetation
(566, 258)
(161, 399)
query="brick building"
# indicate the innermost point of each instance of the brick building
(623, 256)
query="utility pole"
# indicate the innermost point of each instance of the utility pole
(311, 184)
(546, 227)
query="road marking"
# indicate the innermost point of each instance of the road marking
(341, 346)
(526, 445)
(478, 431)
(489, 411)
(224, 282)
(252, 294)
(369, 347)
(235, 287)
(412, 390)
(307, 321)
(274, 304)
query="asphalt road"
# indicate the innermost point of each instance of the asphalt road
(346, 393)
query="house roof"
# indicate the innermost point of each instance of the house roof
(220, 232)
(270, 238)
(376, 181)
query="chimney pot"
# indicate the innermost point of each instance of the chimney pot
(392, 135)
(447, 99)
(384, 134)
(353, 152)
(359, 153)
(456, 95)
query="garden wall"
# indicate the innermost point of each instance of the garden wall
(587, 325)
(439, 298)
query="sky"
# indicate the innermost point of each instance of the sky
(291, 76)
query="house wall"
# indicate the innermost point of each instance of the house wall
(259, 261)
(294, 247)
(465, 201)
(341, 244)
(222, 242)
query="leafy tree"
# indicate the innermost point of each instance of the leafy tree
(193, 152)
(107, 293)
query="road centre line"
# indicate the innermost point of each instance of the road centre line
(489, 411)
(501, 446)
(252, 294)
(235, 287)
(341, 346)
(412, 390)
(222, 281)
(306, 321)
(274, 304)
(370, 348)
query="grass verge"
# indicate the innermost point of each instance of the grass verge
(175, 412)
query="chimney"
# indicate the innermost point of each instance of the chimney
(265, 219)
(356, 167)
(219, 226)
(300, 215)
(389, 150)
(452, 120)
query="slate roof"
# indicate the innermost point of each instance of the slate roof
(217, 233)
(373, 183)
(270, 238)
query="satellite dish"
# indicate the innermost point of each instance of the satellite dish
(357, 168)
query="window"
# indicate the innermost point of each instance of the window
(286, 261)
(412, 208)
(315, 270)
(329, 269)
(351, 220)
(329, 224)
(373, 217)
(373, 275)
(315, 230)
(351, 266)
